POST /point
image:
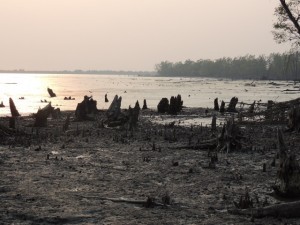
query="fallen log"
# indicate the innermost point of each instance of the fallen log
(287, 210)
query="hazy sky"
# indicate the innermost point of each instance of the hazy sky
(131, 34)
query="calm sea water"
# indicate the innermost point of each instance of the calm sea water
(195, 92)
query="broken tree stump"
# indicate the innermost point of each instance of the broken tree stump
(114, 115)
(86, 108)
(42, 115)
(133, 115)
(51, 93)
(288, 172)
(163, 105)
(114, 109)
(216, 104)
(232, 105)
(145, 105)
(222, 107)
(13, 110)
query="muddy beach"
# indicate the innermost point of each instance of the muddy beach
(155, 173)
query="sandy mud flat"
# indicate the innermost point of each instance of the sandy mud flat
(92, 174)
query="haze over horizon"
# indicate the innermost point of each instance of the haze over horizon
(131, 34)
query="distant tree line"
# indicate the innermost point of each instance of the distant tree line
(279, 66)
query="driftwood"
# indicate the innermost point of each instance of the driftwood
(288, 173)
(13, 109)
(51, 93)
(232, 105)
(216, 104)
(145, 105)
(84, 109)
(42, 115)
(288, 210)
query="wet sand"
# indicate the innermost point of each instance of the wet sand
(99, 175)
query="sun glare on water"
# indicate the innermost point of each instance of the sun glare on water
(23, 89)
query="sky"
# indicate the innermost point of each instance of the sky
(131, 34)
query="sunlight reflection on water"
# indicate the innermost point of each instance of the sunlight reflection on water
(195, 92)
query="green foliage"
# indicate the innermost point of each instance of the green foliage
(275, 66)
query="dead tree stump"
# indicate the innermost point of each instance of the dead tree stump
(133, 115)
(114, 115)
(106, 99)
(84, 109)
(222, 107)
(51, 93)
(163, 105)
(42, 115)
(145, 105)
(13, 110)
(216, 104)
(232, 105)
(289, 171)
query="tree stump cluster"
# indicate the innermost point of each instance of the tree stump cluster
(173, 107)
(86, 108)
